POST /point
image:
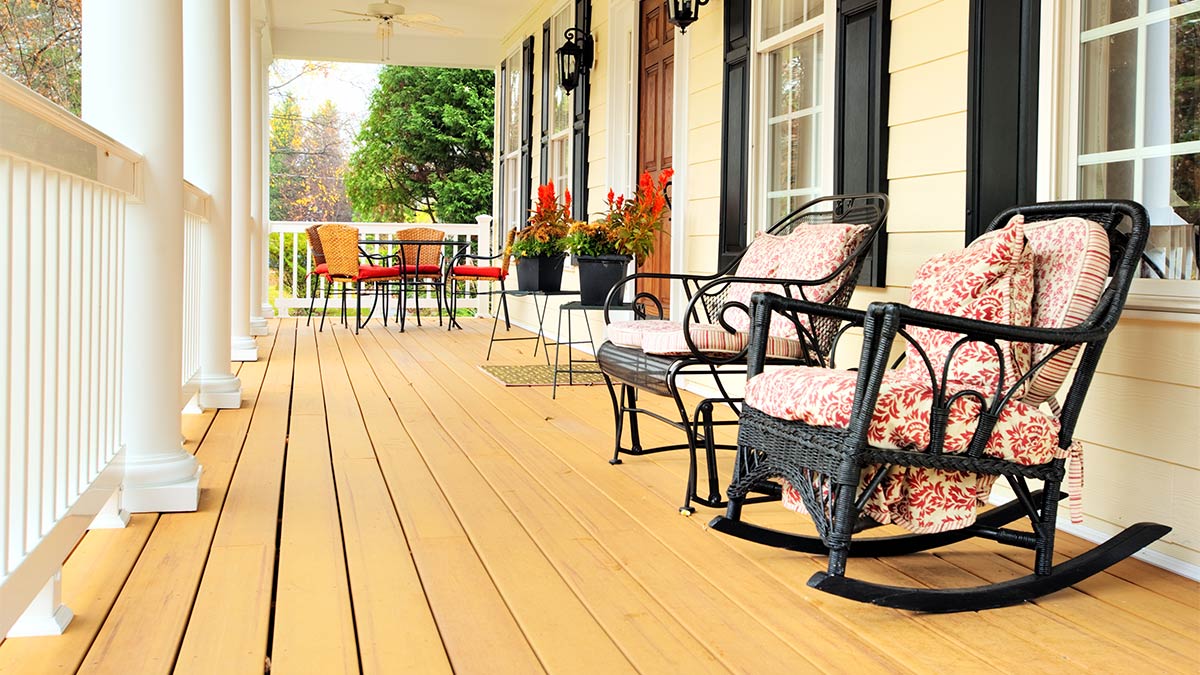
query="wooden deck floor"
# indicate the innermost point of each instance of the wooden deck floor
(381, 505)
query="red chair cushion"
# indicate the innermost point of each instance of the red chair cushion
(377, 272)
(478, 272)
(323, 268)
(422, 269)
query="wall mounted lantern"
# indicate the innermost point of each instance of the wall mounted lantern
(575, 57)
(684, 13)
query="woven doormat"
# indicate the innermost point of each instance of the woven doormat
(540, 375)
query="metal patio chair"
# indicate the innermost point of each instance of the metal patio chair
(990, 337)
(814, 253)
(460, 270)
(340, 246)
(420, 265)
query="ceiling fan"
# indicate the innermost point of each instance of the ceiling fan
(387, 16)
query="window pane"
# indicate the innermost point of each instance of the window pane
(1171, 194)
(1173, 80)
(1098, 13)
(1111, 181)
(1109, 78)
(512, 124)
(562, 100)
(780, 15)
(793, 127)
(796, 76)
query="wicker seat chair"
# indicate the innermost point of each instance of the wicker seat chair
(990, 337)
(420, 265)
(460, 271)
(320, 268)
(815, 253)
(339, 243)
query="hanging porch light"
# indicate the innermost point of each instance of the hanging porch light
(684, 13)
(575, 57)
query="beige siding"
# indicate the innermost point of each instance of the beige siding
(1140, 424)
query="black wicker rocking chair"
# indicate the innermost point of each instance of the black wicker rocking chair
(838, 472)
(628, 369)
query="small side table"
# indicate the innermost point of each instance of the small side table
(540, 307)
(571, 368)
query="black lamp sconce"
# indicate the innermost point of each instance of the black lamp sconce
(575, 57)
(684, 13)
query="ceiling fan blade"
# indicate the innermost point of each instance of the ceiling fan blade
(429, 27)
(420, 18)
(346, 11)
(314, 23)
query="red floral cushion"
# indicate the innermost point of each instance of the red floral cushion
(1070, 266)
(479, 272)
(811, 252)
(990, 280)
(712, 339)
(921, 500)
(631, 333)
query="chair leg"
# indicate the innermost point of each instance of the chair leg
(357, 306)
(417, 301)
(439, 290)
(324, 311)
(311, 303)
(504, 302)
(618, 418)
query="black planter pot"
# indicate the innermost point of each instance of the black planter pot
(541, 273)
(598, 274)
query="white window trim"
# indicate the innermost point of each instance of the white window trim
(505, 99)
(1058, 143)
(759, 219)
(566, 134)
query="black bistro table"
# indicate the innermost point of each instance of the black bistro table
(540, 307)
(397, 252)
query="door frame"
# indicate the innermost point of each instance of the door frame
(625, 27)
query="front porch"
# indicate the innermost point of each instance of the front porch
(378, 504)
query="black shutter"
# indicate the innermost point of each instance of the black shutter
(1001, 109)
(860, 111)
(547, 87)
(527, 123)
(735, 130)
(501, 102)
(581, 116)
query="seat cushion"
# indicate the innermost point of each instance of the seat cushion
(423, 270)
(990, 280)
(811, 252)
(321, 269)
(921, 500)
(631, 333)
(712, 339)
(377, 272)
(1070, 265)
(473, 272)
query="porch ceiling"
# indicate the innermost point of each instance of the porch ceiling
(483, 22)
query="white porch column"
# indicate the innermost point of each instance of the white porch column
(243, 348)
(206, 154)
(133, 90)
(258, 325)
(264, 78)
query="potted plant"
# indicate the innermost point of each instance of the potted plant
(539, 248)
(625, 231)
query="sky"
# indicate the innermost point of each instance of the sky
(348, 85)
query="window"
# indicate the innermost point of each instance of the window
(793, 138)
(510, 158)
(559, 128)
(1138, 120)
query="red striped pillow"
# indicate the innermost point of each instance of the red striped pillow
(1070, 267)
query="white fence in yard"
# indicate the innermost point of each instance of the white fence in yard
(63, 189)
(291, 260)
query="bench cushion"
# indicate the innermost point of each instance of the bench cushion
(921, 500)
(712, 339)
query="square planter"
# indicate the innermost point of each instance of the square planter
(540, 273)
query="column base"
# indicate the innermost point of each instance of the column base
(267, 312)
(258, 325)
(173, 497)
(46, 615)
(220, 392)
(243, 348)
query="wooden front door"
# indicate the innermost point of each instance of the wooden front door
(656, 87)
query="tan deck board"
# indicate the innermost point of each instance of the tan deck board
(433, 519)
(227, 629)
(738, 618)
(396, 631)
(478, 630)
(314, 621)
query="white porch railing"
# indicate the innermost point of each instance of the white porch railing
(63, 188)
(291, 259)
(195, 219)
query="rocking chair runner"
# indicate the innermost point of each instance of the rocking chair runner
(815, 253)
(921, 445)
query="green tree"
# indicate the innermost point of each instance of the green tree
(425, 147)
(39, 47)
